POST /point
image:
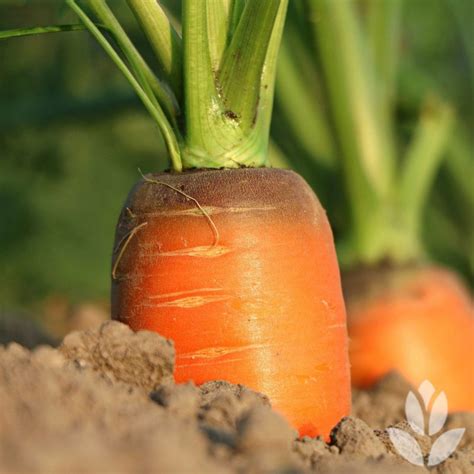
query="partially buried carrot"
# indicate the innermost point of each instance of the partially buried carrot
(416, 320)
(260, 303)
(232, 260)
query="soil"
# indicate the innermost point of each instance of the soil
(105, 401)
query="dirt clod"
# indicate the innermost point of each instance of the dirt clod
(143, 359)
(352, 436)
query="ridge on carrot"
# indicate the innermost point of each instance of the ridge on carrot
(403, 312)
(231, 259)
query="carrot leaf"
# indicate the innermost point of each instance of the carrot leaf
(241, 73)
(202, 103)
(163, 38)
(384, 30)
(219, 19)
(423, 158)
(155, 89)
(301, 106)
(39, 30)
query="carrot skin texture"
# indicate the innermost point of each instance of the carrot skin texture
(259, 304)
(420, 322)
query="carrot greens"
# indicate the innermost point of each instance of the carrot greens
(164, 40)
(387, 182)
(212, 98)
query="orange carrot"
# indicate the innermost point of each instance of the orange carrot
(238, 267)
(418, 321)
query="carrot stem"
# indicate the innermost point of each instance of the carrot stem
(386, 197)
(39, 30)
(298, 100)
(384, 29)
(202, 103)
(352, 88)
(423, 159)
(164, 40)
(228, 111)
(219, 23)
(155, 89)
(245, 58)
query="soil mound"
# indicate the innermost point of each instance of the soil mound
(105, 401)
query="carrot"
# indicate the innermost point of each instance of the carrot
(418, 321)
(261, 303)
(233, 261)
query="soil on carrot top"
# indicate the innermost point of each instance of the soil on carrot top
(105, 401)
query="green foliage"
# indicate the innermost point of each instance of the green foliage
(226, 61)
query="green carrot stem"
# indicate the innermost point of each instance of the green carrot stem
(39, 30)
(384, 30)
(423, 159)
(244, 61)
(459, 163)
(301, 106)
(215, 65)
(202, 103)
(219, 22)
(164, 40)
(223, 128)
(155, 89)
(235, 13)
(269, 69)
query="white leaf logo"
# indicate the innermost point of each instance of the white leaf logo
(439, 413)
(406, 445)
(426, 390)
(414, 414)
(444, 446)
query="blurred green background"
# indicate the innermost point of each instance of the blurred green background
(72, 137)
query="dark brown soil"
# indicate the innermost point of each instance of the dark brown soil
(105, 402)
